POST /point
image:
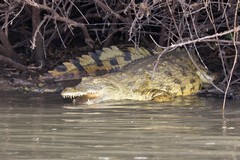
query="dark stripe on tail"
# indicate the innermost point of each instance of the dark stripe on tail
(95, 55)
(127, 56)
(101, 72)
(61, 68)
(79, 66)
(115, 65)
(113, 61)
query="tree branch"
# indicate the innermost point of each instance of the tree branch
(10, 62)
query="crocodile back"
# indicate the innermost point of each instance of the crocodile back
(174, 73)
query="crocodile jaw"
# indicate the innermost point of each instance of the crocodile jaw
(91, 93)
(92, 90)
(88, 97)
(73, 93)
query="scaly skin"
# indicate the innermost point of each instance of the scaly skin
(175, 75)
(96, 63)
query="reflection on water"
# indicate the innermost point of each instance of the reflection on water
(48, 127)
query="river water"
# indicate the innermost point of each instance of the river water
(48, 127)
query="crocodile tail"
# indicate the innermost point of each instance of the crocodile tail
(96, 63)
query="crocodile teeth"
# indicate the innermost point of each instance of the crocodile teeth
(67, 96)
(89, 102)
(78, 94)
(71, 96)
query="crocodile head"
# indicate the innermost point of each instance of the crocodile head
(92, 90)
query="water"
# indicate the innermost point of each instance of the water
(48, 127)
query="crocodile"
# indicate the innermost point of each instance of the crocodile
(145, 79)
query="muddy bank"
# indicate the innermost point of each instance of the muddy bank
(5, 85)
